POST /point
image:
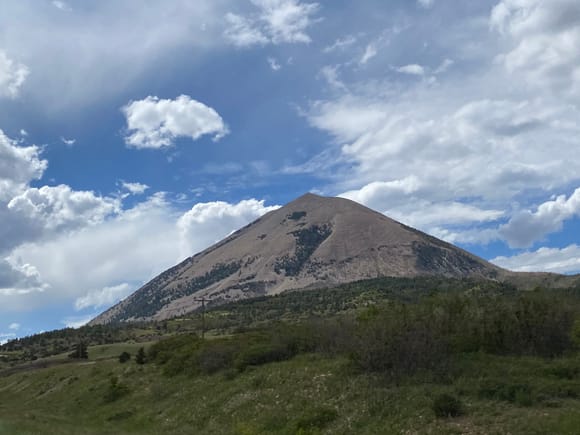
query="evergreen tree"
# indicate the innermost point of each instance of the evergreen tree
(80, 351)
(140, 357)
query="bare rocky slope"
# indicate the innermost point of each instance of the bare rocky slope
(311, 242)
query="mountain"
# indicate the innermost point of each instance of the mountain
(311, 242)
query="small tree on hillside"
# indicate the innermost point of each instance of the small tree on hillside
(140, 357)
(124, 357)
(80, 351)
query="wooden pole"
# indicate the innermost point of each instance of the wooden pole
(203, 301)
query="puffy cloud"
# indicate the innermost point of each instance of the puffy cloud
(12, 76)
(408, 200)
(460, 156)
(276, 21)
(135, 188)
(107, 296)
(447, 150)
(100, 264)
(207, 223)
(18, 165)
(525, 227)
(413, 69)
(156, 123)
(465, 161)
(426, 3)
(60, 207)
(28, 213)
(544, 39)
(129, 247)
(19, 279)
(565, 260)
(14, 326)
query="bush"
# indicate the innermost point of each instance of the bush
(215, 357)
(398, 343)
(446, 406)
(115, 390)
(261, 353)
(140, 358)
(124, 357)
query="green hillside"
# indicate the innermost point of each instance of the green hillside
(456, 358)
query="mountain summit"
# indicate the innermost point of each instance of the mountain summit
(313, 241)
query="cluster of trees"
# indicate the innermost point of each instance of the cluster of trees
(80, 351)
(64, 340)
(307, 241)
(395, 338)
(461, 315)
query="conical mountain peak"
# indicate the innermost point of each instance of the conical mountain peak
(313, 241)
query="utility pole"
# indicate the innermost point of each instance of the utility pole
(203, 301)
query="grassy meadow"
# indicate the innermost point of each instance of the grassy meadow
(471, 361)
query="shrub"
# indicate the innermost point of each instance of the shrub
(398, 343)
(446, 406)
(115, 390)
(215, 357)
(124, 357)
(140, 358)
(261, 353)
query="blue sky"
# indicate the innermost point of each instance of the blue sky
(134, 134)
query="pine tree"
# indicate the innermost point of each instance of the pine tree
(140, 357)
(80, 351)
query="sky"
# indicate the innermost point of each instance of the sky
(134, 134)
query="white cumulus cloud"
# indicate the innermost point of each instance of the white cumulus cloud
(18, 165)
(275, 22)
(556, 260)
(106, 296)
(156, 123)
(543, 40)
(99, 264)
(60, 207)
(525, 227)
(408, 159)
(12, 76)
(207, 223)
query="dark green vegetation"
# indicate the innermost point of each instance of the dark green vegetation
(148, 303)
(307, 241)
(297, 215)
(381, 356)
